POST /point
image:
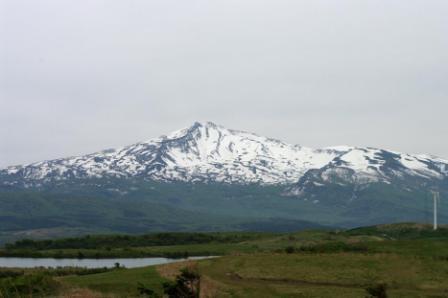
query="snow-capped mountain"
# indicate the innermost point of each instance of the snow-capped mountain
(206, 152)
(207, 177)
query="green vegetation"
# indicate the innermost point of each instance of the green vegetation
(135, 207)
(401, 231)
(38, 282)
(151, 245)
(123, 282)
(402, 239)
(30, 285)
(319, 275)
(187, 284)
(97, 206)
(118, 241)
(402, 260)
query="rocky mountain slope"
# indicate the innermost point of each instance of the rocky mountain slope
(206, 152)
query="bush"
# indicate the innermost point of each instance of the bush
(63, 271)
(10, 273)
(290, 249)
(377, 291)
(187, 285)
(34, 285)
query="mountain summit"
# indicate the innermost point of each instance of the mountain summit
(207, 152)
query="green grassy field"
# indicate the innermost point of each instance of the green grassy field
(120, 283)
(317, 275)
(411, 260)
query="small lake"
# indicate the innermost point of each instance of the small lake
(7, 262)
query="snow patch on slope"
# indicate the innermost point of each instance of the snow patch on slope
(206, 152)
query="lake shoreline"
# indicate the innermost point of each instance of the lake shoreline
(102, 254)
(89, 263)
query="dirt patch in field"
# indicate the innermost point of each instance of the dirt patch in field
(170, 271)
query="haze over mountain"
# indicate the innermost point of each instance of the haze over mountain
(208, 177)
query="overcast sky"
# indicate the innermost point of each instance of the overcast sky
(84, 75)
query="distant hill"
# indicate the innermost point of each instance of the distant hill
(402, 231)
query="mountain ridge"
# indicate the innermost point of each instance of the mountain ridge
(207, 152)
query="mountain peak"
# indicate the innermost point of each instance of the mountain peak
(197, 125)
(205, 124)
(206, 151)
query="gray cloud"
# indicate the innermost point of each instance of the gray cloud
(80, 76)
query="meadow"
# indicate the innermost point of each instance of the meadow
(402, 260)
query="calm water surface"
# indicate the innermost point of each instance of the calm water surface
(87, 263)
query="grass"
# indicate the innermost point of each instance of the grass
(174, 251)
(311, 275)
(151, 245)
(120, 283)
(289, 275)
(220, 243)
(320, 264)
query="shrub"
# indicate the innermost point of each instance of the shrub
(290, 249)
(34, 285)
(10, 273)
(187, 285)
(377, 291)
